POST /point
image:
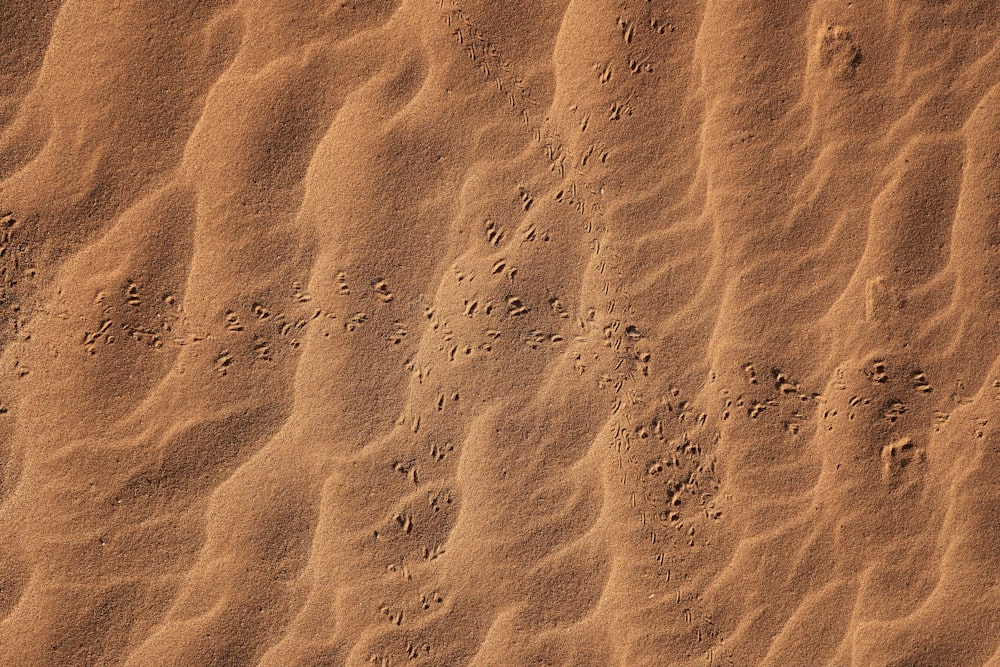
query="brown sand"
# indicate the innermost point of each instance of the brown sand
(500, 333)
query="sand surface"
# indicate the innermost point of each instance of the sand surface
(468, 332)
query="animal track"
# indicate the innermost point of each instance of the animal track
(381, 290)
(494, 233)
(440, 451)
(132, 295)
(90, 339)
(661, 28)
(398, 333)
(637, 66)
(627, 29)
(298, 294)
(618, 110)
(516, 307)
(782, 383)
(355, 320)
(405, 522)
(415, 651)
(440, 500)
(893, 410)
(920, 382)
(409, 469)
(143, 335)
(756, 408)
(261, 312)
(876, 371)
(341, 282)
(223, 362)
(897, 456)
(233, 321)
(605, 72)
(395, 615)
(526, 200)
(431, 599)
(531, 234)
(838, 52)
(488, 59)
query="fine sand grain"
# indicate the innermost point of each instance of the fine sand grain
(500, 333)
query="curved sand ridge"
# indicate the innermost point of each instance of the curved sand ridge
(455, 333)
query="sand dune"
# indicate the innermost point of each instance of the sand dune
(500, 333)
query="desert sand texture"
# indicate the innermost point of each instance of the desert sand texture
(468, 332)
